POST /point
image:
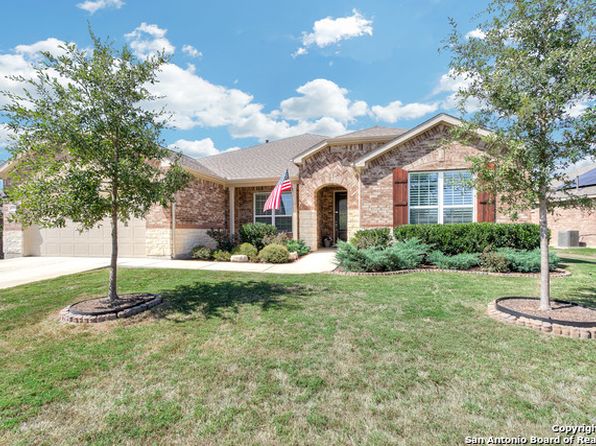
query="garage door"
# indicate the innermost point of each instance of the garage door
(96, 242)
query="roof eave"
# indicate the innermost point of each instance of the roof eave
(435, 120)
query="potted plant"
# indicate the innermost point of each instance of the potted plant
(327, 241)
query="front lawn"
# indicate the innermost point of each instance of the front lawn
(588, 252)
(263, 359)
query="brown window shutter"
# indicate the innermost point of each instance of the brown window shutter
(400, 196)
(485, 207)
(485, 204)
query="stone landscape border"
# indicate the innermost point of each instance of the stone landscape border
(578, 330)
(69, 316)
(556, 273)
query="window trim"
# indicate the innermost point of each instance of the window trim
(440, 204)
(273, 211)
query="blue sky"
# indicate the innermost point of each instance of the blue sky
(242, 72)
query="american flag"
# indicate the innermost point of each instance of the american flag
(274, 201)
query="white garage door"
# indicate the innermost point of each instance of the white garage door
(68, 241)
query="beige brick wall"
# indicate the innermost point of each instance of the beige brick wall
(186, 239)
(158, 242)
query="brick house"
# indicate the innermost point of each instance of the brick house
(377, 177)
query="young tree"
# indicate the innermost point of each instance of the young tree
(87, 147)
(529, 73)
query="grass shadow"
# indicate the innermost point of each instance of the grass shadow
(220, 299)
(575, 260)
(585, 296)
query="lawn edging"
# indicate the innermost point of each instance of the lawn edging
(539, 324)
(68, 315)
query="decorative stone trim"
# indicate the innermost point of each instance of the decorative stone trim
(67, 316)
(568, 330)
(553, 274)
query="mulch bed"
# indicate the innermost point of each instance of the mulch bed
(101, 309)
(564, 319)
(433, 269)
(561, 311)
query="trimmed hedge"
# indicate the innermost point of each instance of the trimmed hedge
(248, 250)
(298, 246)
(459, 261)
(201, 253)
(452, 239)
(527, 261)
(372, 238)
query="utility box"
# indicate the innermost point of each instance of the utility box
(568, 239)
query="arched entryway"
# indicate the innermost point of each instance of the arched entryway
(332, 214)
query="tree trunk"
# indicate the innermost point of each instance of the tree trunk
(112, 293)
(544, 267)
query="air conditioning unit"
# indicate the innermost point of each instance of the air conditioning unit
(568, 239)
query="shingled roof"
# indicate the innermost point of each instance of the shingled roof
(371, 132)
(263, 161)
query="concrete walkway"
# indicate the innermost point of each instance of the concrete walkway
(24, 270)
(317, 262)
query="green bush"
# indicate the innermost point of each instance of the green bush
(527, 261)
(459, 261)
(281, 238)
(223, 241)
(402, 255)
(471, 238)
(372, 238)
(221, 256)
(494, 262)
(274, 254)
(201, 253)
(248, 250)
(254, 233)
(298, 246)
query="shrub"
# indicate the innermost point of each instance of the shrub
(372, 238)
(527, 261)
(471, 238)
(223, 241)
(298, 246)
(406, 254)
(248, 250)
(494, 262)
(281, 238)
(254, 233)
(402, 255)
(221, 256)
(459, 261)
(274, 254)
(201, 253)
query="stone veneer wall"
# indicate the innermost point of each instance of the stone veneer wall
(199, 207)
(425, 152)
(12, 235)
(325, 214)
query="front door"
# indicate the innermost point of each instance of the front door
(341, 216)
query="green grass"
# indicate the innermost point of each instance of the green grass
(589, 252)
(262, 359)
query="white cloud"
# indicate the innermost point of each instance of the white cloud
(330, 31)
(191, 51)
(5, 135)
(149, 39)
(198, 148)
(578, 108)
(396, 110)
(50, 45)
(322, 98)
(475, 34)
(92, 6)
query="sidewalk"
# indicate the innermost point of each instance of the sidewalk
(321, 261)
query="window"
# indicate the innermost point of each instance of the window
(441, 197)
(280, 218)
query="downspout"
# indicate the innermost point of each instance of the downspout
(173, 237)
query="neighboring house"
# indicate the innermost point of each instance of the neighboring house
(583, 183)
(376, 177)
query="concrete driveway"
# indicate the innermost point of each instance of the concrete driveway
(24, 270)
(21, 270)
